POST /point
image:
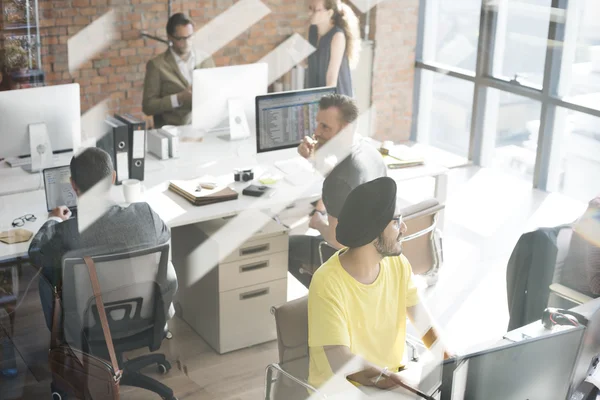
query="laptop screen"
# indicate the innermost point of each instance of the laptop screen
(57, 185)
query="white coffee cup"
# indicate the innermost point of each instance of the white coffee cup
(132, 189)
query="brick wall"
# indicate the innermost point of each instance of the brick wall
(117, 73)
(393, 68)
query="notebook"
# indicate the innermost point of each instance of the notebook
(192, 191)
(402, 157)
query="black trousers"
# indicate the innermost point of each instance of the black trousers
(304, 253)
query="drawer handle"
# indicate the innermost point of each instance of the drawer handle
(253, 294)
(254, 267)
(254, 249)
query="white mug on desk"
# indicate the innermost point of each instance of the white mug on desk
(132, 189)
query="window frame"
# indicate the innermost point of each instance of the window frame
(481, 140)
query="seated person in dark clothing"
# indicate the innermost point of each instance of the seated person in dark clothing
(582, 265)
(361, 163)
(118, 229)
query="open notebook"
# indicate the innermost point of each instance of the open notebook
(199, 196)
(402, 157)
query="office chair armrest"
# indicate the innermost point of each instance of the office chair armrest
(276, 367)
(422, 232)
(569, 294)
(426, 207)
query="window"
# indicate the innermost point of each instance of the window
(578, 137)
(447, 114)
(580, 75)
(516, 129)
(521, 38)
(534, 83)
(454, 30)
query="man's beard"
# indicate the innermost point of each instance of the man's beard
(387, 248)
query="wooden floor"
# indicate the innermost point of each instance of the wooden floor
(486, 213)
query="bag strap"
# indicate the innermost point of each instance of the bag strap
(102, 313)
(54, 342)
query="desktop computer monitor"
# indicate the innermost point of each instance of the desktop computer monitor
(215, 88)
(539, 368)
(283, 119)
(55, 106)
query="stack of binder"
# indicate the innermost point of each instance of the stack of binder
(137, 144)
(116, 143)
(192, 191)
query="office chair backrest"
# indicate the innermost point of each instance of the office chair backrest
(291, 320)
(130, 283)
(420, 246)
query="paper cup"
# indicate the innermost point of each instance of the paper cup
(132, 189)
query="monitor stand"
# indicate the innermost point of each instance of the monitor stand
(238, 123)
(39, 148)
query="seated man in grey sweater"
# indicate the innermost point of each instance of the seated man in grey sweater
(118, 229)
(359, 162)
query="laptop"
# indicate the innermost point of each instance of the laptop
(59, 192)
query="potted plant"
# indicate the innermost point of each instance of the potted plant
(15, 58)
(15, 12)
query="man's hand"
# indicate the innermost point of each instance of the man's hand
(317, 220)
(307, 147)
(61, 212)
(185, 97)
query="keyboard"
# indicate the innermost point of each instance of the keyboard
(293, 166)
(15, 162)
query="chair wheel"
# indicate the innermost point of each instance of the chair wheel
(164, 368)
(57, 394)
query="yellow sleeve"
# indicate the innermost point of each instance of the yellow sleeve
(412, 295)
(327, 323)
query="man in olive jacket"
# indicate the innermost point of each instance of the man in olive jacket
(168, 82)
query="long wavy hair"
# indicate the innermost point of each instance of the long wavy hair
(344, 18)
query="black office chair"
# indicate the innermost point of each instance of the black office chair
(136, 297)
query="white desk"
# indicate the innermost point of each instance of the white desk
(213, 156)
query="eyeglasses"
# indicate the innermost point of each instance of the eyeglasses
(21, 220)
(398, 220)
(181, 38)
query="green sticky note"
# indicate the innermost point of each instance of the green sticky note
(268, 181)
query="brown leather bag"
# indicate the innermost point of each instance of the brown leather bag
(79, 374)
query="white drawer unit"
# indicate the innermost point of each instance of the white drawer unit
(228, 302)
(253, 271)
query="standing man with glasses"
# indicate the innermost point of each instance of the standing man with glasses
(168, 82)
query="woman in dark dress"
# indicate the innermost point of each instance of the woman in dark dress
(335, 33)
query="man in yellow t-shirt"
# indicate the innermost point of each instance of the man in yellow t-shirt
(359, 299)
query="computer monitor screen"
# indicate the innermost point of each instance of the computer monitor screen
(283, 119)
(214, 87)
(59, 191)
(540, 368)
(56, 106)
